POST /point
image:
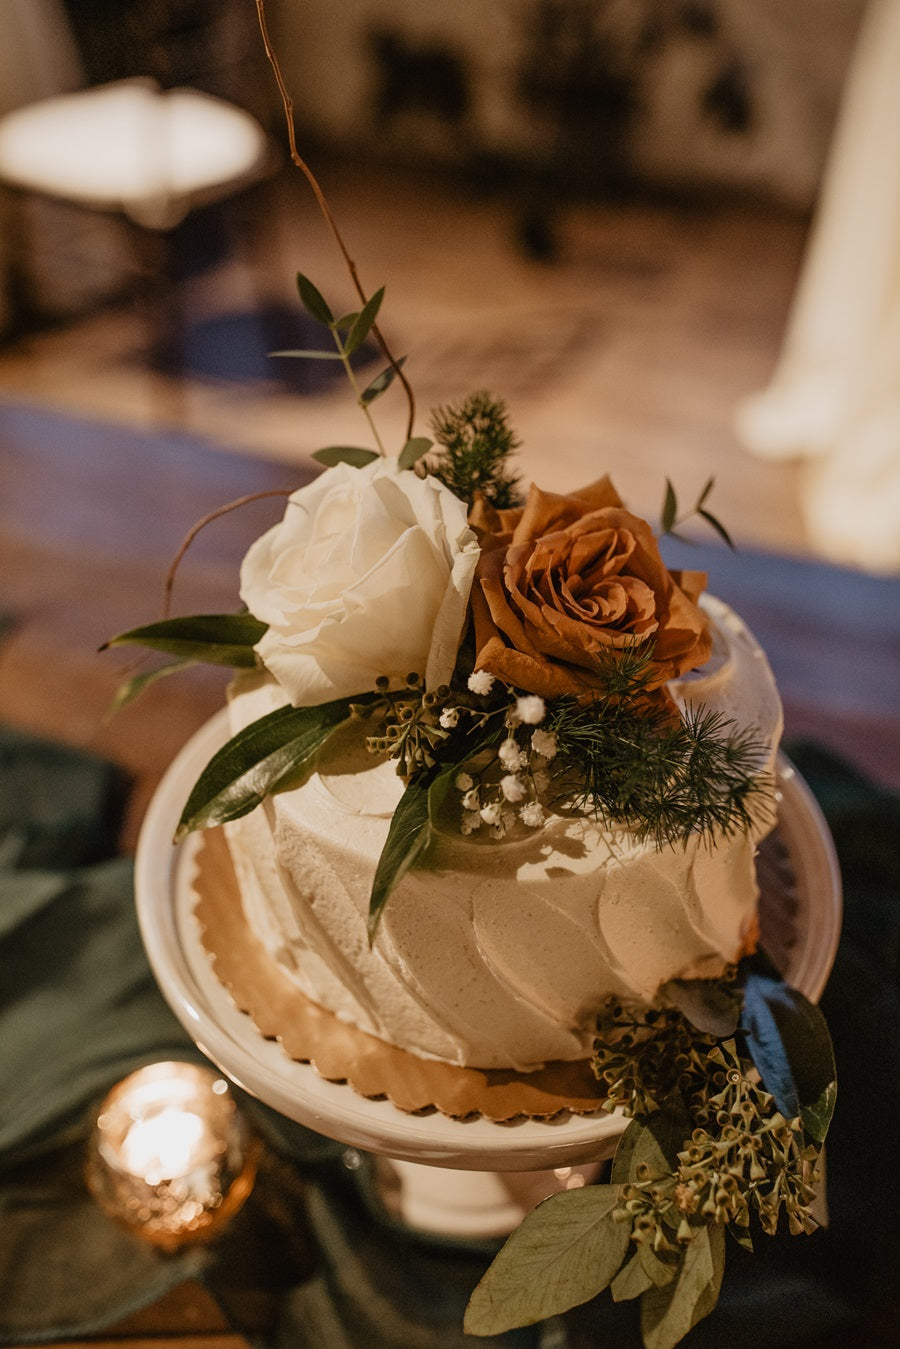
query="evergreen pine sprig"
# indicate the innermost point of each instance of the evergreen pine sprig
(629, 761)
(475, 441)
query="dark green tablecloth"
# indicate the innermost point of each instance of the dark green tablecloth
(79, 1009)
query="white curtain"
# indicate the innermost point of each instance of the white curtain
(38, 56)
(835, 396)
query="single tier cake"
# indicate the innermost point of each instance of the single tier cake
(498, 954)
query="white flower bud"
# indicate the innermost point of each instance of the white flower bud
(471, 801)
(480, 682)
(492, 813)
(531, 709)
(449, 718)
(532, 814)
(511, 756)
(544, 744)
(513, 788)
(464, 782)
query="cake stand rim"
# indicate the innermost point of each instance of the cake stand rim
(260, 1067)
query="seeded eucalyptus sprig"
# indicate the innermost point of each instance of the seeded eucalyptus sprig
(726, 1135)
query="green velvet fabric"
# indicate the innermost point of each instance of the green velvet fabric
(79, 1009)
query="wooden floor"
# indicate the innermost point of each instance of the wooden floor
(628, 354)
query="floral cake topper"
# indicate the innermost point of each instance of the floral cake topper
(511, 652)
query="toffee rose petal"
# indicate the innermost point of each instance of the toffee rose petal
(567, 580)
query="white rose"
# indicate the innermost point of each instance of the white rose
(367, 574)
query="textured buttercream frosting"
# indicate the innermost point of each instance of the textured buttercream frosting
(496, 954)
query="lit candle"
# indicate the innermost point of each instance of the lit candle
(171, 1155)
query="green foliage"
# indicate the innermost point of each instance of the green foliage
(410, 833)
(413, 450)
(348, 332)
(132, 688)
(408, 729)
(707, 1150)
(670, 520)
(630, 761)
(257, 761)
(355, 455)
(217, 639)
(566, 1251)
(789, 1042)
(313, 301)
(382, 382)
(475, 443)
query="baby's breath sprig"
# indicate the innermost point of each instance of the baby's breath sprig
(508, 782)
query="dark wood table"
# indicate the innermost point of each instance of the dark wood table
(90, 517)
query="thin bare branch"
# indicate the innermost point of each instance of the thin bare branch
(201, 524)
(301, 164)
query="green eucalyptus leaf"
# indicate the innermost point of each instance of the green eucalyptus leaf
(346, 321)
(669, 510)
(658, 1139)
(658, 1271)
(364, 322)
(256, 760)
(310, 355)
(705, 493)
(668, 1313)
(566, 1251)
(709, 1004)
(631, 1281)
(717, 526)
(413, 450)
(381, 382)
(817, 1114)
(313, 300)
(217, 639)
(130, 689)
(354, 455)
(787, 1038)
(623, 1166)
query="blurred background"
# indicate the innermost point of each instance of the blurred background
(663, 230)
(596, 208)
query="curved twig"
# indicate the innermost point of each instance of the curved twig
(201, 524)
(298, 160)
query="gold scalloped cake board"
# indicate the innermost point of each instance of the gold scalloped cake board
(341, 1053)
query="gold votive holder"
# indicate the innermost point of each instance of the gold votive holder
(171, 1156)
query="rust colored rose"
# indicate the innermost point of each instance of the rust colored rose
(564, 580)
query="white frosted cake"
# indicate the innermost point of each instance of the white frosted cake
(498, 954)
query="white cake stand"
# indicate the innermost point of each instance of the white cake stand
(461, 1176)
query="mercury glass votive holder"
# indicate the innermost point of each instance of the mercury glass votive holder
(171, 1156)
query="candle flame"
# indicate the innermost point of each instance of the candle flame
(164, 1145)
